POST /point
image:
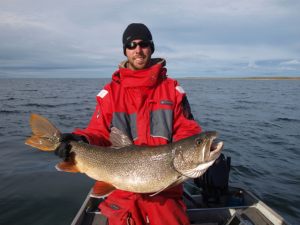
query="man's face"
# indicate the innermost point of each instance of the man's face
(138, 57)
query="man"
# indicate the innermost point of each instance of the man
(152, 110)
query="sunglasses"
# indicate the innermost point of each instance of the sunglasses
(143, 44)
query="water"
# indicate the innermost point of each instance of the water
(258, 121)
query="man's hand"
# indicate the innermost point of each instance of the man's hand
(63, 150)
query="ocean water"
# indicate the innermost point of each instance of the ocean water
(258, 120)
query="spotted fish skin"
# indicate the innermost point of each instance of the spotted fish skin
(139, 169)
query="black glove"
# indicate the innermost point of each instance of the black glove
(63, 150)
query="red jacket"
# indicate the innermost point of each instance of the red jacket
(151, 109)
(144, 104)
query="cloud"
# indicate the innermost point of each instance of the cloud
(252, 65)
(291, 62)
(203, 37)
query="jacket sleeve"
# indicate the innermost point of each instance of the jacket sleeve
(98, 130)
(183, 125)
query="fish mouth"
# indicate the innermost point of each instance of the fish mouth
(213, 143)
(215, 147)
(211, 150)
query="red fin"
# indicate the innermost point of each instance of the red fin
(45, 135)
(67, 167)
(101, 189)
(41, 143)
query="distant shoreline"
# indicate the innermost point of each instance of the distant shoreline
(188, 78)
(242, 78)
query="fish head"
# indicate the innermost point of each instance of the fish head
(196, 154)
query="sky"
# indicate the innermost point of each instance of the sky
(198, 38)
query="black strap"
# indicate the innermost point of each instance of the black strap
(187, 112)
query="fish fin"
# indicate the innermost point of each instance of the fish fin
(118, 138)
(43, 144)
(102, 189)
(67, 167)
(179, 180)
(45, 135)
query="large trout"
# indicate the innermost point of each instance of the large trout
(124, 166)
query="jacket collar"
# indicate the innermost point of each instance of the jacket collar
(148, 77)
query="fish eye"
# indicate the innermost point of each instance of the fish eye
(198, 141)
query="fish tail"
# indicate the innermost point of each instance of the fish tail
(45, 136)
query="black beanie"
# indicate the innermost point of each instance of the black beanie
(137, 31)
